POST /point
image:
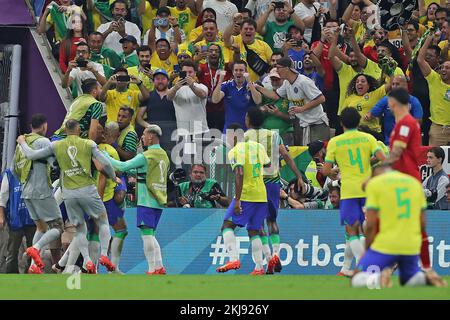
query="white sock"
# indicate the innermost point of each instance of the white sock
(116, 251)
(348, 257)
(362, 279)
(63, 261)
(257, 252)
(47, 237)
(276, 249)
(417, 280)
(362, 239)
(229, 239)
(266, 251)
(149, 251)
(94, 251)
(104, 234)
(357, 248)
(82, 243)
(158, 256)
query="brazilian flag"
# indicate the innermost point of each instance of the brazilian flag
(302, 158)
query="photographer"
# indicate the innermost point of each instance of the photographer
(81, 69)
(308, 198)
(118, 28)
(201, 192)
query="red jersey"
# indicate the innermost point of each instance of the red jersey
(326, 63)
(407, 135)
(209, 78)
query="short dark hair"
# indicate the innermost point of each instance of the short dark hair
(143, 49)
(249, 21)
(436, 49)
(438, 152)
(414, 23)
(96, 33)
(441, 9)
(71, 124)
(238, 62)
(127, 109)
(400, 94)
(209, 10)
(120, 69)
(37, 120)
(210, 21)
(330, 21)
(111, 7)
(198, 165)
(332, 188)
(83, 44)
(279, 53)
(246, 10)
(88, 85)
(350, 118)
(189, 63)
(255, 116)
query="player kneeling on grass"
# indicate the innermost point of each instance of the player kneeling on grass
(152, 166)
(75, 156)
(397, 201)
(249, 206)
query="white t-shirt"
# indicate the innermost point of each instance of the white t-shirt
(304, 12)
(258, 7)
(79, 76)
(302, 91)
(225, 11)
(190, 110)
(112, 40)
(169, 36)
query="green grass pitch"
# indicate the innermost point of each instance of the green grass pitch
(206, 287)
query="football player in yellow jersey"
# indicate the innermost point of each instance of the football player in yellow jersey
(249, 206)
(274, 146)
(397, 202)
(352, 152)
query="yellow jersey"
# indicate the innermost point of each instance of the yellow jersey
(186, 19)
(260, 47)
(108, 194)
(439, 99)
(196, 32)
(346, 73)
(442, 45)
(115, 100)
(252, 157)
(364, 104)
(399, 200)
(146, 81)
(167, 65)
(352, 152)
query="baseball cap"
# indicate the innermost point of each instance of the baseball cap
(161, 71)
(155, 129)
(128, 38)
(274, 73)
(286, 62)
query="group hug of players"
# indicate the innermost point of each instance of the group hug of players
(394, 223)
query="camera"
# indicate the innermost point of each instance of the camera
(123, 78)
(178, 176)
(82, 63)
(161, 22)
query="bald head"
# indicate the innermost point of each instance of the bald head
(400, 82)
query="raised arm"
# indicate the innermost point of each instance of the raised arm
(423, 65)
(261, 23)
(218, 94)
(361, 58)
(332, 55)
(228, 33)
(422, 8)
(268, 93)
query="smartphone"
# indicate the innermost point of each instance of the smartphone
(204, 48)
(82, 63)
(123, 78)
(182, 74)
(288, 36)
(299, 43)
(279, 4)
(147, 66)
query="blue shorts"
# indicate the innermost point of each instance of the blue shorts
(351, 210)
(55, 138)
(113, 211)
(252, 216)
(273, 200)
(148, 217)
(372, 261)
(122, 186)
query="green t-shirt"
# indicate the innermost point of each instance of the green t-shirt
(128, 139)
(273, 122)
(276, 34)
(130, 60)
(109, 59)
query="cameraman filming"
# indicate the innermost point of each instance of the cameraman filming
(201, 192)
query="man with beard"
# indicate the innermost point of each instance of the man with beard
(210, 35)
(201, 192)
(275, 32)
(108, 58)
(118, 28)
(209, 76)
(128, 139)
(143, 71)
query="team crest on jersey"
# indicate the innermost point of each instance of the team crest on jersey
(366, 97)
(447, 95)
(404, 131)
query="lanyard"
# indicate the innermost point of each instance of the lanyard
(213, 79)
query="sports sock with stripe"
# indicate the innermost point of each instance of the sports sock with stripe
(229, 239)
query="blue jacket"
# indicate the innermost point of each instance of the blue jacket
(382, 108)
(17, 214)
